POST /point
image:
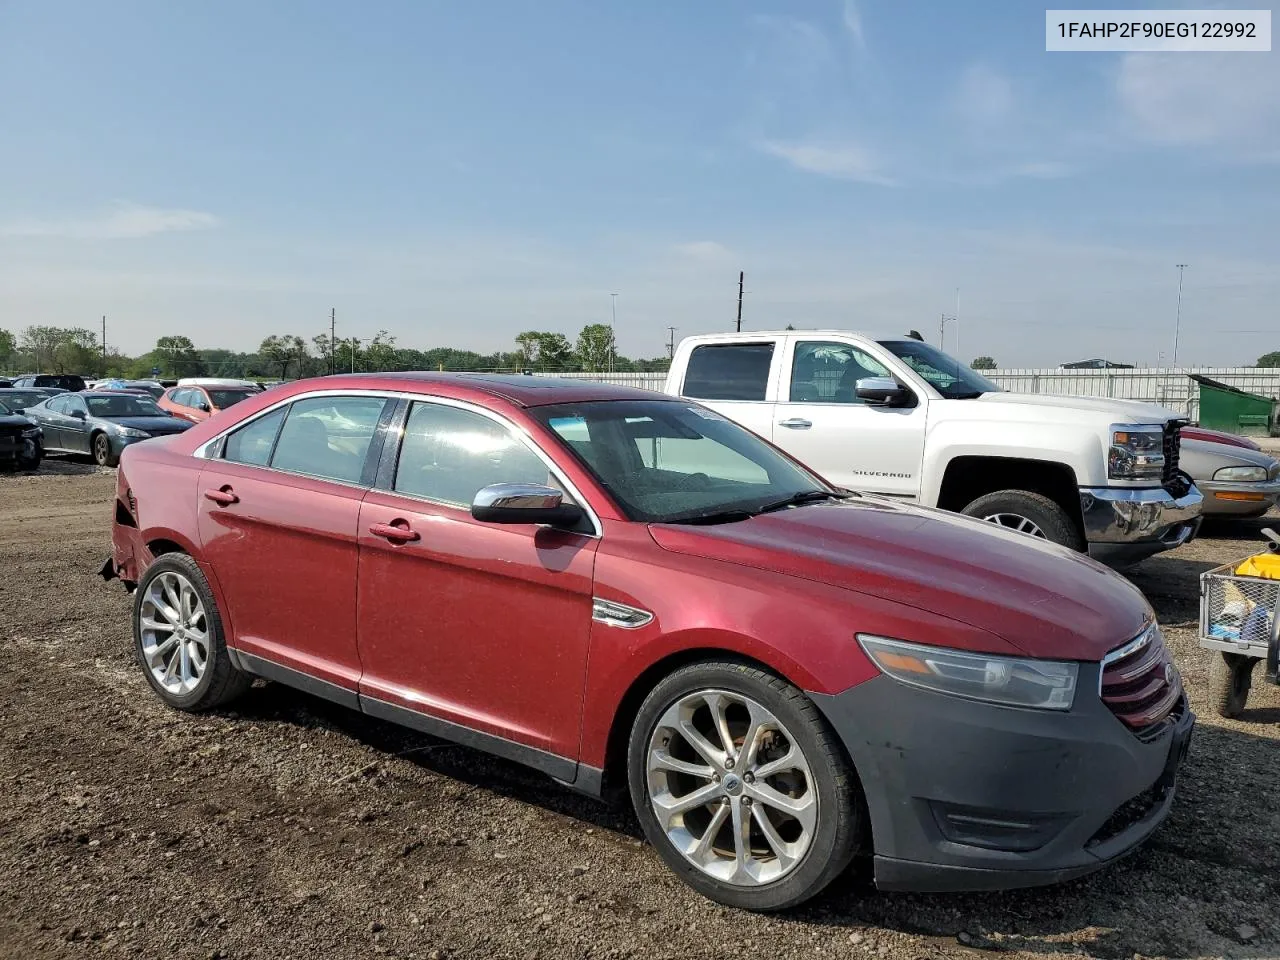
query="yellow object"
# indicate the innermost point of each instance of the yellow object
(1265, 565)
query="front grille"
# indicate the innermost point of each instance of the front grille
(1141, 686)
(1173, 479)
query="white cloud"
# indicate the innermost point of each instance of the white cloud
(984, 96)
(840, 160)
(1223, 100)
(705, 251)
(853, 23)
(123, 221)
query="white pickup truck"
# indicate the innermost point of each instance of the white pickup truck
(897, 417)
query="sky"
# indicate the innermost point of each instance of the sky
(455, 173)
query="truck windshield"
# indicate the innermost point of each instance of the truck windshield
(673, 462)
(947, 375)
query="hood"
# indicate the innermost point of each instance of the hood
(152, 424)
(1217, 436)
(1200, 458)
(17, 420)
(1128, 411)
(1043, 599)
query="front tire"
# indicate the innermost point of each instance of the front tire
(1030, 513)
(178, 637)
(1230, 677)
(103, 455)
(742, 787)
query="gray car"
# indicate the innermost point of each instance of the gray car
(1235, 481)
(101, 423)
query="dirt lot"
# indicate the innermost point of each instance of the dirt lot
(292, 828)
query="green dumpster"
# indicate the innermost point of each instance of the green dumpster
(1228, 408)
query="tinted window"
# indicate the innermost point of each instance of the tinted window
(65, 381)
(123, 406)
(667, 461)
(328, 437)
(15, 399)
(226, 398)
(57, 404)
(449, 454)
(731, 371)
(252, 443)
(829, 372)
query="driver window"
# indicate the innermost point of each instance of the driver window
(75, 403)
(449, 455)
(824, 372)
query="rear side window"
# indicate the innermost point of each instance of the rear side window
(450, 454)
(328, 437)
(253, 442)
(730, 371)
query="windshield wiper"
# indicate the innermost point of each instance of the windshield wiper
(968, 395)
(715, 516)
(806, 496)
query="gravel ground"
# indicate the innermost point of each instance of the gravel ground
(289, 827)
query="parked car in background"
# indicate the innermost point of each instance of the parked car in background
(898, 417)
(63, 381)
(196, 402)
(630, 591)
(152, 388)
(1218, 436)
(5, 383)
(18, 400)
(1235, 480)
(21, 439)
(101, 424)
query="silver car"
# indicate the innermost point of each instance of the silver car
(1236, 481)
(101, 423)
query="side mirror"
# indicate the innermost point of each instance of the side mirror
(524, 503)
(201, 405)
(883, 392)
(79, 414)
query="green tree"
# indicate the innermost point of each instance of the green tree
(8, 347)
(282, 352)
(544, 351)
(596, 347)
(1271, 359)
(175, 357)
(381, 352)
(983, 363)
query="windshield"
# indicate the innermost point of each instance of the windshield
(666, 462)
(4, 411)
(947, 375)
(123, 406)
(225, 398)
(21, 399)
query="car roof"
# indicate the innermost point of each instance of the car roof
(521, 389)
(747, 335)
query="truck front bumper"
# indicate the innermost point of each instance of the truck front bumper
(1123, 525)
(967, 796)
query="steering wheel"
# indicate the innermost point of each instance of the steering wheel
(694, 481)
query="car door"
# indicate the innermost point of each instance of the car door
(821, 422)
(50, 415)
(466, 624)
(737, 380)
(75, 428)
(278, 514)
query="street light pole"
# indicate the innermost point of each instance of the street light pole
(613, 329)
(1177, 326)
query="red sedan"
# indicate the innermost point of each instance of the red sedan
(635, 595)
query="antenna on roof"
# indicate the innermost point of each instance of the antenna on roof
(915, 335)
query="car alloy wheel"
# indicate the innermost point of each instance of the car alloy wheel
(731, 788)
(102, 449)
(1013, 521)
(174, 633)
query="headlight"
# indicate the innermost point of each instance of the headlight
(1241, 473)
(1137, 451)
(132, 433)
(1009, 681)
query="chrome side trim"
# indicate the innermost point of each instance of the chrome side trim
(206, 450)
(613, 614)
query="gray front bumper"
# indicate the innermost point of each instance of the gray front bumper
(1267, 493)
(1124, 525)
(970, 796)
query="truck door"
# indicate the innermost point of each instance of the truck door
(737, 380)
(820, 421)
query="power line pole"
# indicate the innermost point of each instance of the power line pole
(742, 276)
(355, 345)
(333, 344)
(1177, 326)
(671, 343)
(104, 344)
(613, 335)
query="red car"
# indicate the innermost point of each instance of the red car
(196, 402)
(633, 594)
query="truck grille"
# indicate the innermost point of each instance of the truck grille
(1141, 686)
(1173, 479)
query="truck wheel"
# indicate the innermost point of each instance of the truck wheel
(1029, 513)
(1230, 676)
(742, 788)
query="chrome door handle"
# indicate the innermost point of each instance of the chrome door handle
(796, 423)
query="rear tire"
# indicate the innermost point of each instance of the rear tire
(1030, 513)
(1230, 677)
(178, 638)
(103, 455)
(800, 821)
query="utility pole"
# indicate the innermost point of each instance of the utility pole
(942, 330)
(104, 344)
(613, 325)
(1177, 326)
(355, 345)
(742, 276)
(671, 343)
(333, 344)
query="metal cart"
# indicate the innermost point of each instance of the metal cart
(1240, 621)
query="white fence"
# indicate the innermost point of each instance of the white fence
(1169, 388)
